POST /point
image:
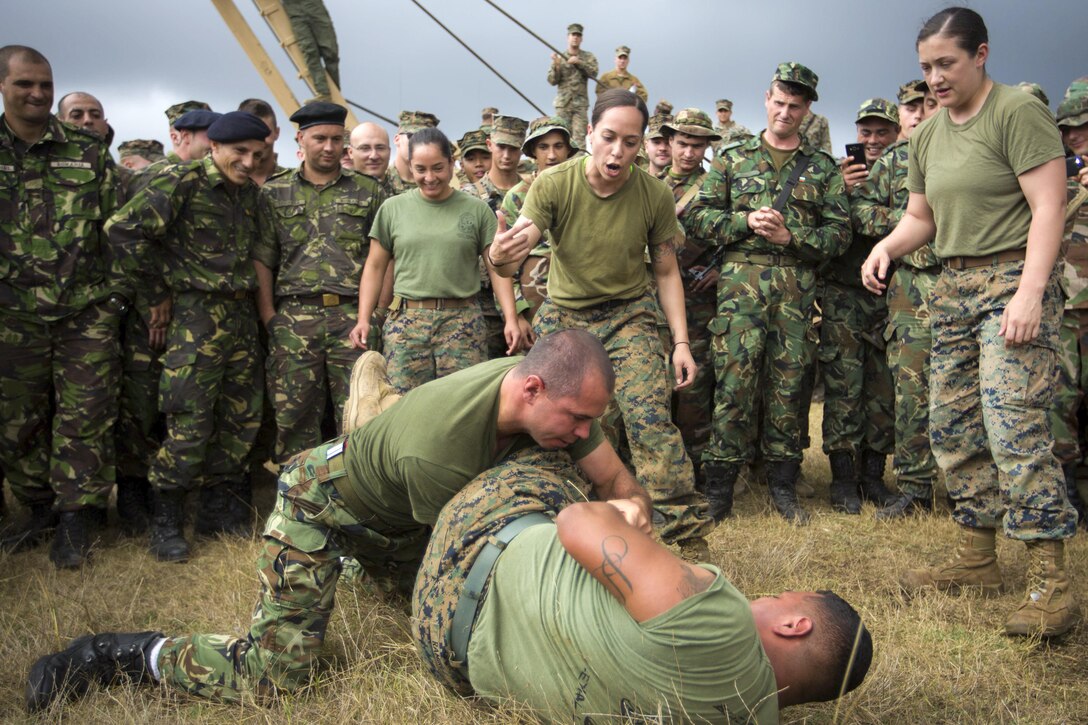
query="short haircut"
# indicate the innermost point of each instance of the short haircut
(564, 359)
(844, 648)
(619, 98)
(261, 109)
(18, 51)
(963, 25)
(793, 89)
(66, 96)
(431, 136)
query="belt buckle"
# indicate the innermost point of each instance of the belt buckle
(328, 300)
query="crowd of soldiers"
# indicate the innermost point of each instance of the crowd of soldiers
(172, 322)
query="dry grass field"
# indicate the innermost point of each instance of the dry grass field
(939, 659)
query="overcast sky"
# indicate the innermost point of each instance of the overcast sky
(140, 56)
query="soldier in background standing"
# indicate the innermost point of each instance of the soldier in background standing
(475, 161)
(817, 132)
(656, 146)
(139, 153)
(269, 165)
(316, 38)
(398, 179)
(570, 74)
(84, 111)
(620, 78)
(369, 150)
(728, 129)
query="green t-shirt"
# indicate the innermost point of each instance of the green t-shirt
(436, 245)
(598, 243)
(969, 171)
(409, 461)
(551, 636)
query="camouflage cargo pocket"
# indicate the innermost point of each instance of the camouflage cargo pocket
(1032, 385)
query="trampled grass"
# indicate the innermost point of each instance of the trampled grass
(939, 659)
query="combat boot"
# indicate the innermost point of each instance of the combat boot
(844, 483)
(904, 505)
(21, 536)
(1048, 610)
(133, 506)
(369, 393)
(972, 568)
(1070, 471)
(167, 540)
(76, 530)
(98, 659)
(782, 481)
(872, 479)
(720, 480)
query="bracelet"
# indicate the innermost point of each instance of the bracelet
(489, 259)
(682, 342)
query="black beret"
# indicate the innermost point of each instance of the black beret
(196, 120)
(319, 113)
(238, 126)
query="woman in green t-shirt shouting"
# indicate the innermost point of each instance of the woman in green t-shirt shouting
(986, 181)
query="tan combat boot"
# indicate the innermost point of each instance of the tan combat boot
(1048, 610)
(370, 392)
(973, 568)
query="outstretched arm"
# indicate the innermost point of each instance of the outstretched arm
(613, 482)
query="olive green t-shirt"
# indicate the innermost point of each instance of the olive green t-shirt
(549, 635)
(409, 461)
(969, 171)
(598, 242)
(436, 245)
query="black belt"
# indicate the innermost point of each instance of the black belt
(238, 294)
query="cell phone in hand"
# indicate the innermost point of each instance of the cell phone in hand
(1073, 165)
(856, 151)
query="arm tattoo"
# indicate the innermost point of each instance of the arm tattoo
(690, 584)
(614, 550)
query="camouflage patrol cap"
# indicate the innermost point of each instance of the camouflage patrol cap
(147, 148)
(473, 141)
(488, 112)
(1036, 90)
(879, 108)
(508, 130)
(1077, 87)
(912, 91)
(575, 28)
(656, 122)
(178, 110)
(1073, 110)
(542, 127)
(663, 107)
(412, 121)
(623, 50)
(723, 104)
(693, 122)
(796, 73)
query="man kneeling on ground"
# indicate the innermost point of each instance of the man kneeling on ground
(585, 618)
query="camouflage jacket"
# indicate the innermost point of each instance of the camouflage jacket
(393, 184)
(1075, 244)
(735, 132)
(742, 179)
(317, 238)
(55, 195)
(816, 132)
(571, 79)
(486, 190)
(880, 202)
(616, 79)
(512, 204)
(694, 252)
(189, 229)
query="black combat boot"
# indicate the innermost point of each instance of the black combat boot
(905, 505)
(782, 483)
(844, 483)
(92, 659)
(133, 505)
(224, 509)
(1070, 471)
(76, 531)
(167, 538)
(718, 489)
(27, 534)
(872, 479)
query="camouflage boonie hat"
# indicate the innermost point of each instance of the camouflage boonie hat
(799, 74)
(413, 121)
(147, 148)
(542, 127)
(508, 130)
(1077, 87)
(911, 91)
(656, 122)
(723, 104)
(693, 122)
(472, 141)
(1036, 90)
(574, 28)
(1073, 110)
(663, 107)
(178, 110)
(623, 50)
(879, 108)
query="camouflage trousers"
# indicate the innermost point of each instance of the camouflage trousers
(59, 383)
(989, 406)
(423, 345)
(693, 408)
(211, 392)
(494, 327)
(310, 359)
(139, 423)
(316, 36)
(1069, 386)
(534, 281)
(909, 342)
(574, 113)
(628, 329)
(487, 504)
(859, 397)
(763, 344)
(309, 530)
